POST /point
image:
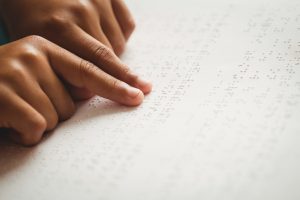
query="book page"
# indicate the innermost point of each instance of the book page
(222, 121)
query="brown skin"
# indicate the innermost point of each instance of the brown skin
(77, 25)
(80, 26)
(39, 80)
(32, 97)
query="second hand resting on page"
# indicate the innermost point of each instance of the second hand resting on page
(74, 57)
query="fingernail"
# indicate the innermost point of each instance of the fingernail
(143, 82)
(131, 91)
(144, 85)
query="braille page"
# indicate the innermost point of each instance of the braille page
(222, 122)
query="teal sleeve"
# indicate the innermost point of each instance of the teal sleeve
(3, 36)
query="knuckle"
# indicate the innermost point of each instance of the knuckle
(31, 43)
(119, 47)
(81, 9)
(30, 54)
(131, 25)
(116, 84)
(16, 74)
(57, 22)
(37, 127)
(87, 67)
(27, 59)
(34, 38)
(103, 53)
(37, 124)
(129, 75)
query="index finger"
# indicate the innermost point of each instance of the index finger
(89, 48)
(84, 74)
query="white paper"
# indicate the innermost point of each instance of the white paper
(222, 122)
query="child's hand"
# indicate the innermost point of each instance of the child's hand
(76, 25)
(32, 97)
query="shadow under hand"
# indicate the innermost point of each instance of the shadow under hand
(12, 156)
(98, 107)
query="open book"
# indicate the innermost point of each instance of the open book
(223, 120)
